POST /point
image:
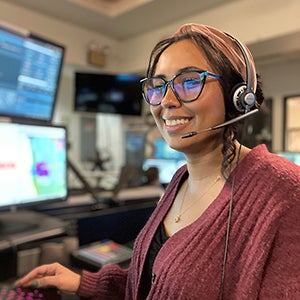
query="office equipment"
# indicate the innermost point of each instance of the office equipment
(106, 93)
(30, 68)
(104, 252)
(33, 167)
(166, 167)
(8, 292)
(22, 228)
(135, 142)
(120, 224)
(292, 156)
(164, 151)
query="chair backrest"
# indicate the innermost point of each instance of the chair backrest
(130, 176)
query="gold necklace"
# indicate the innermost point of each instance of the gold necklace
(179, 215)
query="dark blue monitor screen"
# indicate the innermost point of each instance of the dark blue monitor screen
(107, 93)
(30, 68)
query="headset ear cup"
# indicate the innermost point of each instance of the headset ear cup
(237, 97)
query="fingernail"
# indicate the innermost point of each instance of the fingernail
(35, 283)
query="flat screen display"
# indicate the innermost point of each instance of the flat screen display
(33, 164)
(166, 167)
(292, 156)
(106, 93)
(163, 150)
(30, 68)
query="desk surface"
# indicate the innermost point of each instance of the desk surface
(37, 226)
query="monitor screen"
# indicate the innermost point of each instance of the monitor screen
(166, 167)
(30, 68)
(163, 150)
(106, 93)
(135, 147)
(292, 156)
(33, 164)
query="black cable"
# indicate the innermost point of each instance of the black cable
(228, 225)
(230, 209)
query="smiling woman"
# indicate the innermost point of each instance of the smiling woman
(230, 214)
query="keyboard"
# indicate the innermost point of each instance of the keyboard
(8, 292)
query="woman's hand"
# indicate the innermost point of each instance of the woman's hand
(52, 275)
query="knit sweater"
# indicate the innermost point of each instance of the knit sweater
(263, 259)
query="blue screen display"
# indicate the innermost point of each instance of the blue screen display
(292, 156)
(163, 150)
(30, 69)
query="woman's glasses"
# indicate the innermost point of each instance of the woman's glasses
(187, 86)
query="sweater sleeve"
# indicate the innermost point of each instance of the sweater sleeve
(108, 283)
(282, 272)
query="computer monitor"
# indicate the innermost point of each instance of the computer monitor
(163, 150)
(108, 93)
(30, 68)
(33, 164)
(292, 156)
(33, 171)
(166, 167)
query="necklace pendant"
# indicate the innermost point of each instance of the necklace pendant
(177, 219)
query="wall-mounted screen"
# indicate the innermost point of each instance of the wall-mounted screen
(33, 164)
(106, 93)
(30, 68)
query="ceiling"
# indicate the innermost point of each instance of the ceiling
(124, 19)
(119, 19)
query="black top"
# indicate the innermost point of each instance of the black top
(159, 239)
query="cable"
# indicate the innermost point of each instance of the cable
(230, 209)
(228, 226)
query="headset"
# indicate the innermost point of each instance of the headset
(244, 99)
(243, 94)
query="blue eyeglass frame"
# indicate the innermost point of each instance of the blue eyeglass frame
(171, 84)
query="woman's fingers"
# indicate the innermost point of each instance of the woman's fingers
(52, 275)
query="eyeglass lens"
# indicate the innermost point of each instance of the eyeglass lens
(186, 86)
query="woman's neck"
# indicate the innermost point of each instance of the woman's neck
(210, 163)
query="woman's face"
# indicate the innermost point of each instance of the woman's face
(175, 118)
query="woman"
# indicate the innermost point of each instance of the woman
(227, 226)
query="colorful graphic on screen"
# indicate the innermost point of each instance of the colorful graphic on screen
(33, 163)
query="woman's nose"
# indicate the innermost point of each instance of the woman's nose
(170, 99)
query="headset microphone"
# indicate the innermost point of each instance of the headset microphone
(248, 114)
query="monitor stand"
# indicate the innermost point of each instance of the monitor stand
(86, 185)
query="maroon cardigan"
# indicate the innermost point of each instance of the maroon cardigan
(264, 245)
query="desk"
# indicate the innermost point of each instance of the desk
(38, 227)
